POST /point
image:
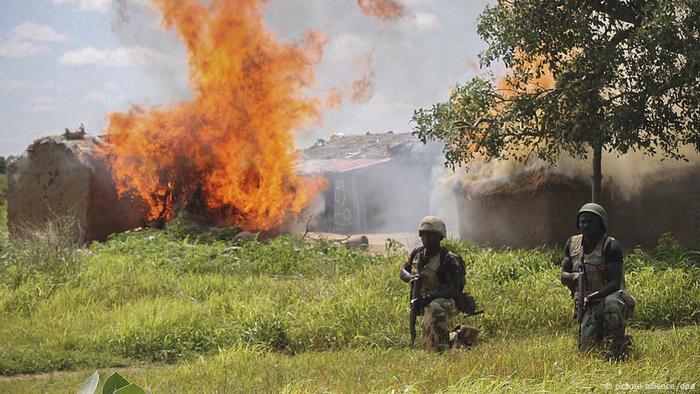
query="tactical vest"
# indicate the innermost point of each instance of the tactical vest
(597, 275)
(430, 281)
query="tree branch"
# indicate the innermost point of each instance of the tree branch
(616, 10)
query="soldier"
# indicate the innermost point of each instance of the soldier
(441, 275)
(606, 303)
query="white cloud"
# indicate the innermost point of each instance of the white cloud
(86, 5)
(13, 47)
(26, 40)
(7, 83)
(43, 104)
(118, 57)
(109, 93)
(38, 33)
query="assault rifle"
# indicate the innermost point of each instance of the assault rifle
(416, 306)
(580, 307)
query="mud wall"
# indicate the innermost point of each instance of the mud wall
(521, 216)
(57, 177)
(539, 209)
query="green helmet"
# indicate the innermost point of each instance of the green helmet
(433, 224)
(595, 209)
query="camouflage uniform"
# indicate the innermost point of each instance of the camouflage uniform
(437, 314)
(607, 316)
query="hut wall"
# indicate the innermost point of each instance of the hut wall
(57, 178)
(526, 218)
(48, 182)
(530, 217)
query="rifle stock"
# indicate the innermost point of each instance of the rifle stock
(580, 307)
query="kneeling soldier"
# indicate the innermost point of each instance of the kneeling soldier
(439, 277)
(606, 303)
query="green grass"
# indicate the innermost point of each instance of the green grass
(542, 363)
(312, 316)
(3, 204)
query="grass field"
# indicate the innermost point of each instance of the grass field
(179, 314)
(3, 203)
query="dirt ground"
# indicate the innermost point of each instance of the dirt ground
(377, 242)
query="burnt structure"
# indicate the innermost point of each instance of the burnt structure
(62, 176)
(537, 208)
(377, 182)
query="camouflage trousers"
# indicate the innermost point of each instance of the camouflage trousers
(606, 318)
(436, 324)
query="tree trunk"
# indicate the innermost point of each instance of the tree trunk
(597, 173)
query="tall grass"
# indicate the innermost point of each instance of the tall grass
(152, 296)
(542, 363)
(3, 204)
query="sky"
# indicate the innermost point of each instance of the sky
(69, 62)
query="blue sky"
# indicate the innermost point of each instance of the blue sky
(66, 62)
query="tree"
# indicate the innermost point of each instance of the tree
(626, 76)
(3, 165)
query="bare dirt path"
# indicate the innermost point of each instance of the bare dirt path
(377, 241)
(104, 372)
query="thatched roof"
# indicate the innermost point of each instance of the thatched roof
(522, 182)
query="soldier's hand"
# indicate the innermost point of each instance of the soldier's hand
(421, 302)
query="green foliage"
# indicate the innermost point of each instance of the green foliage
(3, 204)
(3, 165)
(269, 333)
(625, 72)
(115, 384)
(544, 362)
(185, 226)
(50, 249)
(147, 296)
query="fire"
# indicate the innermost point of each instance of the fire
(383, 9)
(229, 153)
(510, 85)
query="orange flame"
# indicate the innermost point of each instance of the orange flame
(510, 85)
(229, 153)
(334, 99)
(382, 9)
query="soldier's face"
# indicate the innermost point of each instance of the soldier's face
(590, 225)
(430, 239)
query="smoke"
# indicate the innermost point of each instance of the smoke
(398, 194)
(363, 87)
(626, 174)
(334, 99)
(443, 201)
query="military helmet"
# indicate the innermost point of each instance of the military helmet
(433, 224)
(595, 209)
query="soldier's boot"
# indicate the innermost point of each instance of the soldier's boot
(617, 351)
(443, 341)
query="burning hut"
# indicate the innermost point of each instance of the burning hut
(61, 176)
(377, 182)
(537, 208)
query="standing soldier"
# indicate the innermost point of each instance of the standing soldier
(439, 275)
(606, 304)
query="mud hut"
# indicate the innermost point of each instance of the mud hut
(536, 208)
(60, 176)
